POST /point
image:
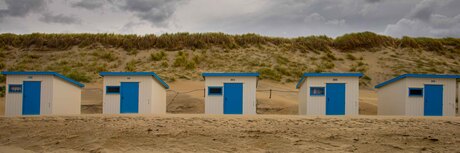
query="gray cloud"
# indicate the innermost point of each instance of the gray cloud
(286, 18)
(60, 18)
(426, 20)
(20, 8)
(156, 12)
(373, 1)
(424, 9)
(319, 17)
(89, 4)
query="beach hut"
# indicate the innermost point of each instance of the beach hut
(230, 93)
(329, 93)
(133, 92)
(41, 93)
(418, 95)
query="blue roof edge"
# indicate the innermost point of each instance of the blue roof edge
(136, 74)
(44, 73)
(329, 74)
(452, 76)
(217, 74)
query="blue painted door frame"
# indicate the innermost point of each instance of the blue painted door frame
(335, 99)
(129, 97)
(433, 100)
(233, 98)
(31, 98)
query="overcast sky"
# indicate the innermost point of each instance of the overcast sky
(284, 18)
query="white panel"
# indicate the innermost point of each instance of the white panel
(302, 97)
(415, 107)
(391, 99)
(158, 99)
(316, 105)
(13, 101)
(66, 97)
(214, 104)
(152, 95)
(458, 98)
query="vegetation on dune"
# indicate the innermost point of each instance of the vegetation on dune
(364, 40)
(184, 55)
(179, 41)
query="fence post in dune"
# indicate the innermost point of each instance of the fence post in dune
(418, 95)
(329, 93)
(133, 93)
(41, 93)
(230, 93)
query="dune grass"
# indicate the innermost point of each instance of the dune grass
(179, 41)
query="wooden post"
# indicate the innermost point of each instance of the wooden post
(270, 94)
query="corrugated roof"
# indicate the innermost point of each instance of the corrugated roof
(45, 73)
(417, 76)
(136, 74)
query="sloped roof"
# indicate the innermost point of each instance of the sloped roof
(45, 73)
(136, 74)
(416, 76)
(329, 74)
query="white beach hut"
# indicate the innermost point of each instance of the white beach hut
(329, 93)
(41, 93)
(418, 95)
(133, 92)
(230, 93)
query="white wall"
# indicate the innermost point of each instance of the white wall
(158, 99)
(13, 104)
(66, 97)
(316, 105)
(152, 95)
(215, 104)
(391, 98)
(458, 98)
(302, 97)
(415, 105)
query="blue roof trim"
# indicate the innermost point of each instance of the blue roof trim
(417, 76)
(136, 74)
(222, 74)
(326, 75)
(45, 73)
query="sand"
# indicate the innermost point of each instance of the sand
(219, 133)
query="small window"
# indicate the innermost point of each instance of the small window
(214, 90)
(113, 90)
(316, 91)
(15, 88)
(415, 91)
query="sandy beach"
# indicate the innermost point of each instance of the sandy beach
(218, 133)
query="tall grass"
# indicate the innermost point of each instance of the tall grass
(179, 41)
(364, 40)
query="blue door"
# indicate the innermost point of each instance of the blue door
(335, 99)
(233, 98)
(129, 97)
(31, 98)
(433, 100)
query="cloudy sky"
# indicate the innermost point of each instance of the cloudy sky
(284, 18)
